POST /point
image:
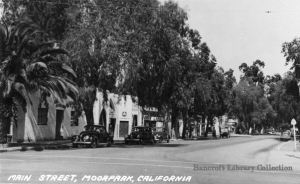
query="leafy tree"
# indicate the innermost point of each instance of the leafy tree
(30, 64)
(230, 82)
(285, 100)
(254, 71)
(49, 15)
(246, 95)
(263, 113)
(291, 51)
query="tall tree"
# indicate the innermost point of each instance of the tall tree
(291, 51)
(285, 100)
(30, 64)
(49, 15)
(254, 71)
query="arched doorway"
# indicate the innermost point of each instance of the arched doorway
(102, 120)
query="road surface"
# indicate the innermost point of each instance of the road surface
(235, 160)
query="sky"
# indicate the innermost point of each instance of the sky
(242, 31)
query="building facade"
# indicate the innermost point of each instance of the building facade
(44, 120)
(118, 114)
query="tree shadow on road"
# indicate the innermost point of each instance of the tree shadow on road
(292, 156)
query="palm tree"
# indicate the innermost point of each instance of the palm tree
(29, 64)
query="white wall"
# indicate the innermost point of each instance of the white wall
(29, 131)
(121, 106)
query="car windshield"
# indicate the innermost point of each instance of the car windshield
(90, 128)
(158, 129)
(137, 129)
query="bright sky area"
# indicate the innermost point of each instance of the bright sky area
(242, 31)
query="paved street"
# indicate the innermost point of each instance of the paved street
(235, 160)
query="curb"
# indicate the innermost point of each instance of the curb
(35, 148)
(42, 147)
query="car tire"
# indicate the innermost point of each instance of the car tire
(126, 142)
(160, 140)
(168, 140)
(75, 145)
(94, 143)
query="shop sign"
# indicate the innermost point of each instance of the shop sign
(154, 118)
(146, 117)
(112, 114)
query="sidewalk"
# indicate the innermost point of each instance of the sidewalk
(40, 146)
(37, 146)
(211, 137)
(286, 155)
(240, 135)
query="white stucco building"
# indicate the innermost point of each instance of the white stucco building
(121, 112)
(45, 121)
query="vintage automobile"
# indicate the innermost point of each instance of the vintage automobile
(140, 134)
(224, 132)
(255, 132)
(161, 134)
(270, 131)
(285, 136)
(92, 136)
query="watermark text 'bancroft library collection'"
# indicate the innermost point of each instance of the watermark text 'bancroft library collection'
(224, 167)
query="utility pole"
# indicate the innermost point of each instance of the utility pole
(293, 122)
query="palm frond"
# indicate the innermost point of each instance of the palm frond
(8, 84)
(55, 51)
(62, 67)
(30, 64)
(38, 46)
(20, 88)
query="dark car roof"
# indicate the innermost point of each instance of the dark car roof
(94, 125)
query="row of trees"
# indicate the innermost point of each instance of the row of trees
(136, 47)
(271, 101)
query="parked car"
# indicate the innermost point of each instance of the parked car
(140, 134)
(160, 134)
(270, 131)
(225, 132)
(285, 136)
(92, 136)
(255, 132)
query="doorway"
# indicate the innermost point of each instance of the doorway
(135, 121)
(59, 120)
(123, 128)
(112, 126)
(103, 118)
